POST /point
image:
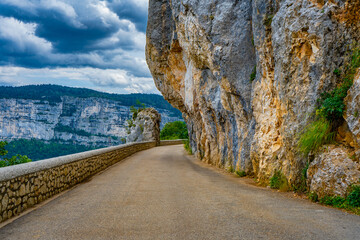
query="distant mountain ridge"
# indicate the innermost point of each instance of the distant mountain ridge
(76, 116)
(54, 93)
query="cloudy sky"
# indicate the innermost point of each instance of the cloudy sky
(83, 43)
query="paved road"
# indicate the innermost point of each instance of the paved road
(161, 194)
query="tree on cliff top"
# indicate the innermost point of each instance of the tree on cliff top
(135, 111)
(174, 130)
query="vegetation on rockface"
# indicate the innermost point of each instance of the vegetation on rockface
(231, 169)
(350, 202)
(39, 149)
(187, 146)
(14, 160)
(301, 186)
(268, 20)
(279, 181)
(253, 74)
(135, 110)
(353, 199)
(313, 197)
(68, 129)
(240, 173)
(80, 132)
(315, 135)
(337, 72)
(53, 94)
(329, 114)
(174, 130)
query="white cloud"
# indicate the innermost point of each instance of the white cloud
(62, 8)
(84, 43)
(22, 37)
(23, 4)
(107, 80)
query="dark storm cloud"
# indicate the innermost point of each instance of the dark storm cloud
(136, 13)
(73, 33)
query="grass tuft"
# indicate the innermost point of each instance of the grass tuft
(253, 74)
(353, 199)
(313, 196)
(241, 173)
(315, 135)
(188, 147)
(279, 181)
(351, 202)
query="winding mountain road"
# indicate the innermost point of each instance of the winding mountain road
(161, 193)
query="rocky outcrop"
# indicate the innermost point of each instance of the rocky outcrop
(85, 121)
(247, 74)
(332, 172)
(146, 127)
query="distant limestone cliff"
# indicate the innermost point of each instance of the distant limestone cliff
(72, 115)
(266, 87)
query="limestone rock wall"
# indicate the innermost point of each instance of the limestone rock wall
(247, 74)
(146, 127)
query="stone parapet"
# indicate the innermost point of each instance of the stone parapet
(24, 185)
(171, 142)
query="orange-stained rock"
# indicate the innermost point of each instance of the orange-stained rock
(202, 55)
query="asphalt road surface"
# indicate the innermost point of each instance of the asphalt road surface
(163, 194)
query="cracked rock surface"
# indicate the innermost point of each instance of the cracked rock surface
(247, 74)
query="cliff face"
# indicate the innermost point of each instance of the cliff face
(247, 74)
(84, 121)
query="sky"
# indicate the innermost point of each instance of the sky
(79, 43)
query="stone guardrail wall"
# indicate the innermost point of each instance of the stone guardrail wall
(24, 185)
(172, 142)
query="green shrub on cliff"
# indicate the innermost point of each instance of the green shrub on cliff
(350, 202)
(332, 104)
(335, 201)
(353, 199)
(241, 173)
(279, 181)
(329, 114)
(3, 151)
(134, 111)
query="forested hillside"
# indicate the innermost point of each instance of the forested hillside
(39, 149)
